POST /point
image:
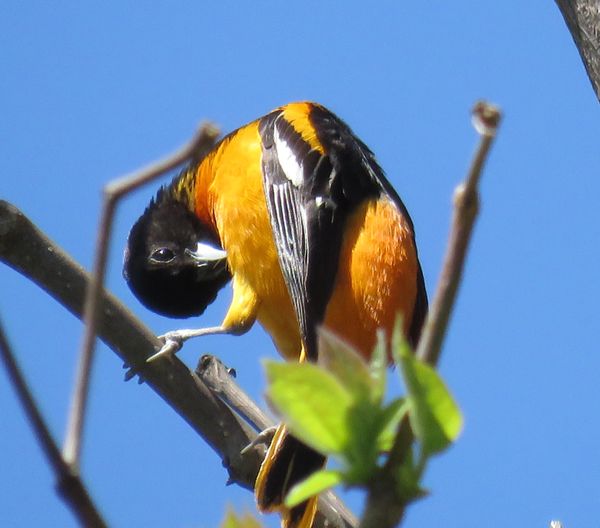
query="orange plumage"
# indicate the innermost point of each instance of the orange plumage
(296, 211)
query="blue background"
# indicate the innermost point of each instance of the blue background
(90, 92)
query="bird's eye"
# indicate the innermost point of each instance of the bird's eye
(162, 255)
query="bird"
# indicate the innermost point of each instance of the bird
(294, 210)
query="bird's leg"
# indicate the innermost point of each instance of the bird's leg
(174, 340)
(238, 320)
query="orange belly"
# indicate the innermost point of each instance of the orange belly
(376, 281)
(377, 276)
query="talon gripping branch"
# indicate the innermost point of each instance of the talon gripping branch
(294, 209)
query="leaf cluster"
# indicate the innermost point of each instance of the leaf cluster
(338, 407)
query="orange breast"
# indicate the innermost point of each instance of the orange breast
(377, 275)
(231, 187)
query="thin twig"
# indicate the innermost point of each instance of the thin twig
(202, 142)
(217, 377)
(24, 248)
(486, 118)
(68, 482)
(385, 505)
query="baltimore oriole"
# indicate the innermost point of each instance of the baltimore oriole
(296, 211)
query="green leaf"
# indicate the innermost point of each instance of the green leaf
(441, 407)
(390, 420)
(435, 418)
(361, 453)
(408, 480)
(318, 482)
(350, 369)
(312, 402)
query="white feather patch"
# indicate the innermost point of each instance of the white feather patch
(288, 161)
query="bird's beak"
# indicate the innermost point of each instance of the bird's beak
(206, 253)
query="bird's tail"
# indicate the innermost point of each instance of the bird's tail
(288, 461)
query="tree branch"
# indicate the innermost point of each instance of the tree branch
(583, 20)
(202, 141)
(68, 483)
(24, 248)
(486, 118)
(217, 376)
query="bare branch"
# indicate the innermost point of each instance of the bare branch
(486, 118)
(583, 20)
(200, 144)
(385, 505)
(68, 482)
(217, 377)
(24, 248)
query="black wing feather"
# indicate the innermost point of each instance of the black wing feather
(306, 226)
(291, 236)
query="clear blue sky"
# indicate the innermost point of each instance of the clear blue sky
(92, 92)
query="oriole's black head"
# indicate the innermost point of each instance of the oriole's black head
(173, 265)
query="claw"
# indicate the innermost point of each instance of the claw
(173, 343)
(264, 437)
(132, 372)
(174, 340)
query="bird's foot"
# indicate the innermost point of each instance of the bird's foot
(264, 437)
(173, 341)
